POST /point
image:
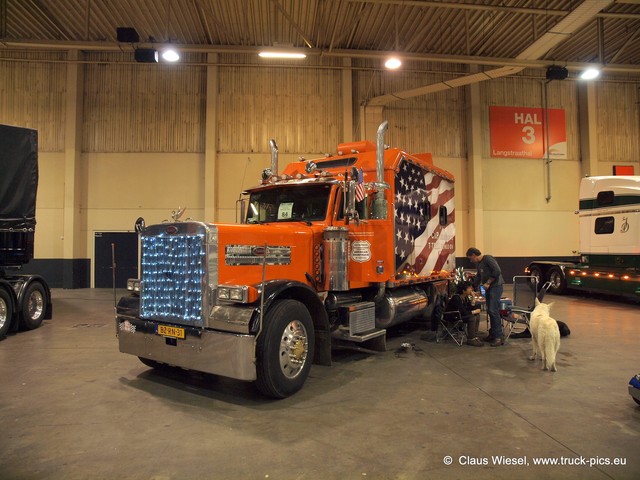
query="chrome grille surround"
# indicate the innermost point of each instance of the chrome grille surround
(179, 270)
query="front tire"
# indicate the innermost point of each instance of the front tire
(34, 307)
(558, 281)
(6, 312)
(285, 349)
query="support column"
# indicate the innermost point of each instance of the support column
(75, 273)
(588, 128)
(211, 141)
(347, 101)
(475, 230)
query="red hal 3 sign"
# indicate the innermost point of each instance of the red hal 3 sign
(519, 132)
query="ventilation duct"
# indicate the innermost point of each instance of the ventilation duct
(565, 27)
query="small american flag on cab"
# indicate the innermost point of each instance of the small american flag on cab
(360, 186)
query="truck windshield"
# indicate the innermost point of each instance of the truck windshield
(291, 203)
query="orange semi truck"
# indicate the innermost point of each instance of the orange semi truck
(331, 250)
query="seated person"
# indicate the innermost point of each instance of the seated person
(463, 301)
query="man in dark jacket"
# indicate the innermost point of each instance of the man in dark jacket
(489, 276)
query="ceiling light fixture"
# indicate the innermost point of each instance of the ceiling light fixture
(393, 63)
(281, 54)
(590, 73)
(170, 55)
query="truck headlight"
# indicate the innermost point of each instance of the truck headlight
(133, 285)
(237, 294)
(240, 294)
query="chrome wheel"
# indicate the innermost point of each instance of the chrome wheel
(294, 348)
(558, 282)
(535, 272)
(284, 349)
(35, 305)
(6, 312)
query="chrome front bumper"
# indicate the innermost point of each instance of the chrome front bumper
(227, 354)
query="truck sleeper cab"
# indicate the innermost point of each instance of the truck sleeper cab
(609, 222)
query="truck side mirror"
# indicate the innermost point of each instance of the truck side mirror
(139, 225)
(241, 210)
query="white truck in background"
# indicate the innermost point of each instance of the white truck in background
(609, 257)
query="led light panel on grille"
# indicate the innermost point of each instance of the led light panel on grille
(172, 278)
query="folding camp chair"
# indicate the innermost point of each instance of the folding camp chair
(450, 324)
(518, 313)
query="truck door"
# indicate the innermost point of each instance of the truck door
(371, 243)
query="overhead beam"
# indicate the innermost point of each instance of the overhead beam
(293, 23)
(626, 45)
(339, 53)
(499, 8)
(580, 16)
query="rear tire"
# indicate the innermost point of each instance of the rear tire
(535, 271)
(285, 349)
(34, 307)
(6, 312)
(558, 281)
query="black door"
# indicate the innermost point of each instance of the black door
(125, 247)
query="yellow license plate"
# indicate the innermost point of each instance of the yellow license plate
(166, 331)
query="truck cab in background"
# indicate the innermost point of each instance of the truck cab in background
(609, 257)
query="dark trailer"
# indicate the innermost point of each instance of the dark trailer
(25, 299)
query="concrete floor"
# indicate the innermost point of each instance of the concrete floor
(73, 407)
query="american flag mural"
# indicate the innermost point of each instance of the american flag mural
(424, 221)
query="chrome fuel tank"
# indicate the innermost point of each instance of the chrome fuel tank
(336, 257)
(400, 305)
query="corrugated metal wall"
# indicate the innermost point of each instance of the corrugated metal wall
(131, 107)
(299, 107)
(618, 106)
(432, 123)
(32, 95)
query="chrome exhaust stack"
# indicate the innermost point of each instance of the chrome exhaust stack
(380, 203)
(274, 156)
(382, 129)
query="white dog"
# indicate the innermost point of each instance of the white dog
(545, 336)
